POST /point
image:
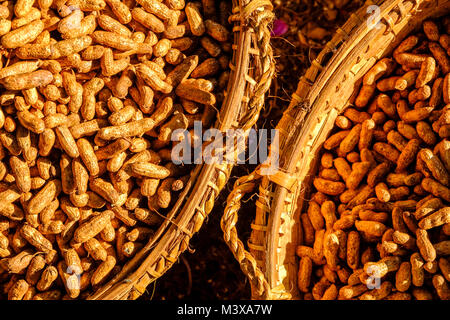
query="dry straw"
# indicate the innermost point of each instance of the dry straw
(322, 93)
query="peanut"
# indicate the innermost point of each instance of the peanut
(94, 91)
(384, 171)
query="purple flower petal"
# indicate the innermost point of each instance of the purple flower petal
(279, 28)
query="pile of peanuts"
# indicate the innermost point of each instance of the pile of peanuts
(378, 223)
(91, 93)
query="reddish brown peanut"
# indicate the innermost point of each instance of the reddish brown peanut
(383, 184)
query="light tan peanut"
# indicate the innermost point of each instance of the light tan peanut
(48, 295)
(90, 89)
(435, 165)
(125, 82)
(427, 206)
(114, 40)
(164, 193)
(385, 103)
(150, 170)
(382, 192)
(383, 266)
(67, 178)
(18, 290)
(351, 140)
(156, 8)
(110, 66)
(116, 162)
(148, 20)
(20, 67)
(378, 294)
(72, 212)
(407, 80)
(70, 279)
(387, 84)
(67, 141)
(139, 234)
(44, 196)
(103, 270)
(88, 156)
(342, 167)
(366, 134)
(95, 249)
(95, 201)
(35, 238)
(22, 35)
(417, 270)
(121, 10)
(23, 7)
(92, 227)
(441, 287)
(35, 269)
(93, 52)
(105, 190)
(195, 19)
(21, 172)
(87, 128)
(110, 24)
(315, 216)
(110, 150)
(108, 233)
(122, 116)
(426, 249)
(151, 78)
(182, 71)
(130, 129)
(146, 216)
(129, 249)
(29, 80)
(349, 292)
(435, 219)
(86, 26)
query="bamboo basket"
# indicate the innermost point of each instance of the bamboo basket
(252, 69)
(322, 94)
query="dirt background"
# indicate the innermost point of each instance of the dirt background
(209, 271)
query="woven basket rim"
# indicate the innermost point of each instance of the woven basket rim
(253, 74)
(279, 206)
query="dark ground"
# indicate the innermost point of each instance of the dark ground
(211, 272)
